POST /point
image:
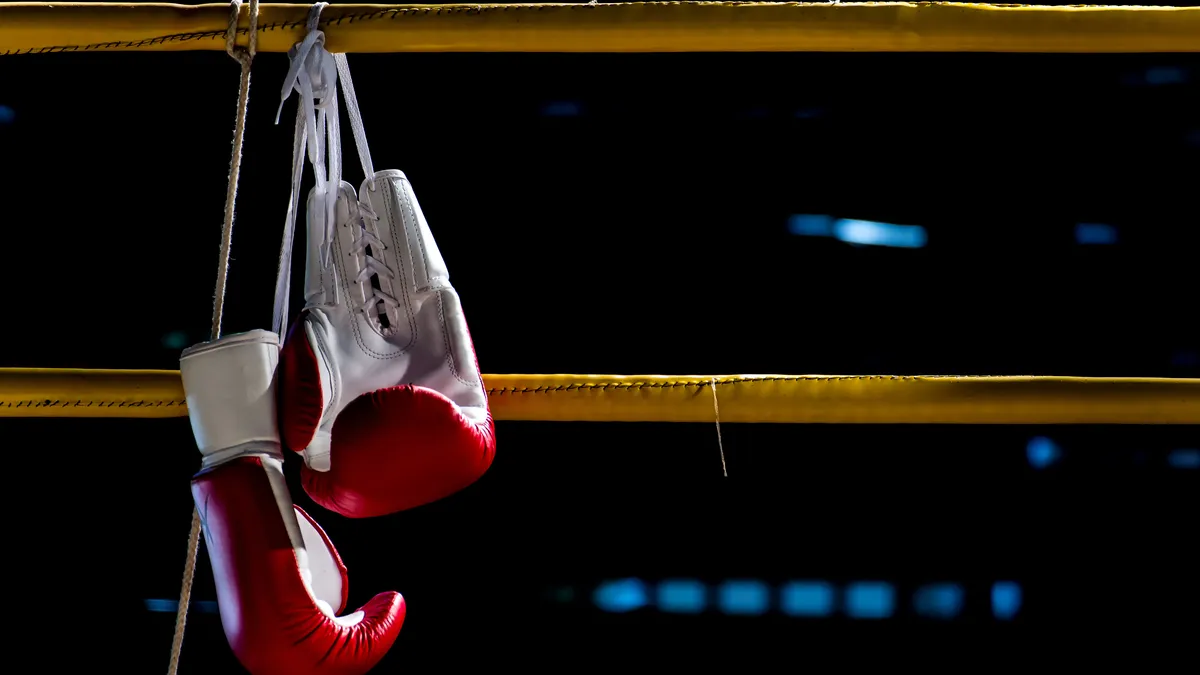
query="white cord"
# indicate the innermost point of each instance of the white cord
(313, 75)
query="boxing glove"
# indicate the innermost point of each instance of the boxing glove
(280, 582)
(379, 387)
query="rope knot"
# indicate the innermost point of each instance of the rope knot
(242, 54)
(313, 73)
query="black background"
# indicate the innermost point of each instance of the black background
(646, 234)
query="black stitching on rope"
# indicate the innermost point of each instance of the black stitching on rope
(59, 403)
(511, 391)
(695, 384)
(378, 15)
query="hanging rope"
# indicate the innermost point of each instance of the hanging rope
(244, 56)
(717, 413)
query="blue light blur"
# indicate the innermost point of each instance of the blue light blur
(744, 597)
(800, 599)
(1184, 459)
(682, 596)
(1163, 75)
(858, 232)
(1042, 452)
(939, 601)
(1006, 599)
(562, 109)
(808, 225)
(870, 233)
(171, 606)
(1095, 234)
(870, 600)
(1156, 76)
(621, 595)
(176, 339)
(807, 598)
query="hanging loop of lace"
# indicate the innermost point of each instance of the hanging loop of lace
(313, 75)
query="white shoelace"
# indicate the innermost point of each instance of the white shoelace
(367, 244)
(313, 75)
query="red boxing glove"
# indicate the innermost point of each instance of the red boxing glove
(278, 622)
(280, 582)
(379, 386)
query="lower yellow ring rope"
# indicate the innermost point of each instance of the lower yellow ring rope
(613, 27)
(848, 399)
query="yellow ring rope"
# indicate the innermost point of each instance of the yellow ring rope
(850, 399)
(645, 27)
(616, 27)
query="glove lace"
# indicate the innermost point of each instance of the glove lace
(366, 246)
(313, 75)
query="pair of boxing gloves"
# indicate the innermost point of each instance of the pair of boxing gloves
(377, 386)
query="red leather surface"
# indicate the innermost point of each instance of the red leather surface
(271, 621)
(399, 448)
(391, 449)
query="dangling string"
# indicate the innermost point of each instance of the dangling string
(717, 413)
(283, 278)
(244, 56)
(356, 124)
(313, 75)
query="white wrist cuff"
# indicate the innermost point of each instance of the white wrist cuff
(230, 389)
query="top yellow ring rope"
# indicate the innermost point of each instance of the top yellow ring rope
(624, 27)
(835, 399)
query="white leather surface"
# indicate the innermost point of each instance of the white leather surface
(229, 386)
(426, 343)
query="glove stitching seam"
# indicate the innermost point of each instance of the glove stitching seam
(413, 325)
(450, 360)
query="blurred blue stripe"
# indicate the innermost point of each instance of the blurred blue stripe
(172, 606)
(807, 598)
